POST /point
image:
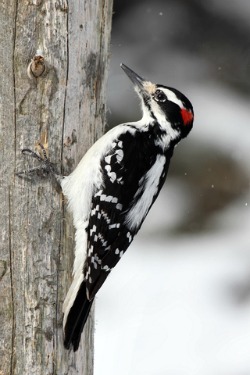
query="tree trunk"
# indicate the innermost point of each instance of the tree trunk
(64, 109)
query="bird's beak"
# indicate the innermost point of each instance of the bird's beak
(145, 87)
(135, 78)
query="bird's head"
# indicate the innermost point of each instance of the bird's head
(165, 105)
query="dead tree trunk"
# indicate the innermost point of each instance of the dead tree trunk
(64, 109)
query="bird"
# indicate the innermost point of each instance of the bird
(112, 189)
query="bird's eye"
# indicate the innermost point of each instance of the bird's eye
(159, 96)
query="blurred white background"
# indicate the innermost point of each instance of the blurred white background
(178, 303)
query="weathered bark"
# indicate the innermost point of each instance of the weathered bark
(65, 110)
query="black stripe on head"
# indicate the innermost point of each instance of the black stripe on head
(185, 101)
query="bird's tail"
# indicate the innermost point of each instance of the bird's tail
(76, 311)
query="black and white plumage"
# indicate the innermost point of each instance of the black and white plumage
(112, 189)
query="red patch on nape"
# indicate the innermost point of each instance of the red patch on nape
(187, 116)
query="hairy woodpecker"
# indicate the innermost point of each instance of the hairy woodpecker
(113, 188)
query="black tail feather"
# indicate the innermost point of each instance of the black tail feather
(77, 318)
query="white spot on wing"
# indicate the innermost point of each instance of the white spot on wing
(93, 230)
(106, 268)
(95, 209)
(129, 237)
(118, 206)
(108, 168)
(111, 226)
(112, 175)
(108, 198)
(108, 159)
(119, 155)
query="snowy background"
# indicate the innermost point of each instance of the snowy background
(178, 303)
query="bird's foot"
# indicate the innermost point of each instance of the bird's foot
(45, 167)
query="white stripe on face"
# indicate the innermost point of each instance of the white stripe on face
(171, 96)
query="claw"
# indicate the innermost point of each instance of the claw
(44, 169)
(45, 156)
(27, 151)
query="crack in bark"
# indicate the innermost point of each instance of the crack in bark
(65, 92)
(12, 366)
(11, 285)
(14, 81)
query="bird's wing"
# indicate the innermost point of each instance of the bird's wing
(126, 170)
